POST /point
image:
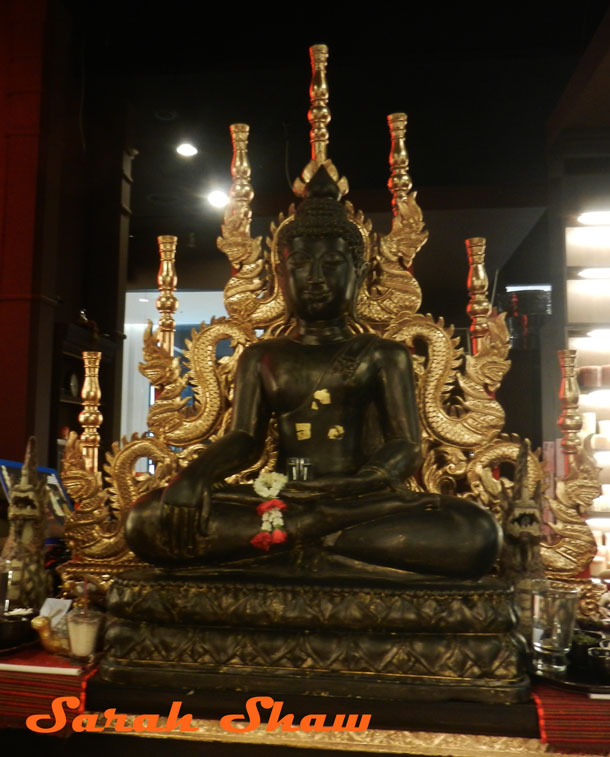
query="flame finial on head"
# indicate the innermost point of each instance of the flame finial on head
(321, 214)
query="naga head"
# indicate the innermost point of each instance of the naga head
(28, 498)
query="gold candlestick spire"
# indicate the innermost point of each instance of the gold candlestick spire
(238, 213)
(570, 420)
(319, 112)
(90, 417)
(167, 302)
(479, 307)
(319, 118)
(399, 183)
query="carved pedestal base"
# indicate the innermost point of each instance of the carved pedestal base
(433, 640)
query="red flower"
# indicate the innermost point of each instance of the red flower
(270, 504)
(277, 537)
(262, 540)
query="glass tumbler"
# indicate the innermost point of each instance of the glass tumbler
(6, 577)
(84, 627)
(553, 617)
(299, 469)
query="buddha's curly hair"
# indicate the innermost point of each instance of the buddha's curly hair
(321, 214)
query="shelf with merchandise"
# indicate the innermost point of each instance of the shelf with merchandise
(588, 330)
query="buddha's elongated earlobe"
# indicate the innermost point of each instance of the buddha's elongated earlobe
(361, 272)
(280, 275)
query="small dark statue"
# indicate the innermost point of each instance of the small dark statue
(24, 548)
(344, 400)
(520, 560)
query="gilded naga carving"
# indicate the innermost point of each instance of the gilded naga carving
(575, 492)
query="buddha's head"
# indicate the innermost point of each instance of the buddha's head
(321, 255)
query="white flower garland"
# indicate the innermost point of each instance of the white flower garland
(269, 485)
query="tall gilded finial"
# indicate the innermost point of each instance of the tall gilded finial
(90, 417)
(408, 235)
(570, 420)
(319, 118)
(319, 113)
(479, 308)
(238, 214)
(167, 281)
(399, 183)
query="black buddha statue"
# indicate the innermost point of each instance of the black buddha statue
(345, 401)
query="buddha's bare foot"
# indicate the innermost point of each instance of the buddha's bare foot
(181, 526)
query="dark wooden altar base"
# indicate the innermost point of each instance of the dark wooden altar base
(519, 720)
(432, 640)
(314, 684)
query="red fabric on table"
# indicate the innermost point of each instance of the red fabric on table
(34, 659)
(571, 721)
(24, 693)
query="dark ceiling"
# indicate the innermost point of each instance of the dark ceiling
(478, 82)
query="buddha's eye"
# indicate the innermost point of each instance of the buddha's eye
(333, 259)
(298, 260)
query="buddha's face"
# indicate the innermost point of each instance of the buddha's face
(320, 279)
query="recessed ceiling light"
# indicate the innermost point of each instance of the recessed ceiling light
(218, 198)
(595, 273)
(528, 288)
(598, 398)
(595, 218)
(595, 237)
(599, 334)
(187, 150)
